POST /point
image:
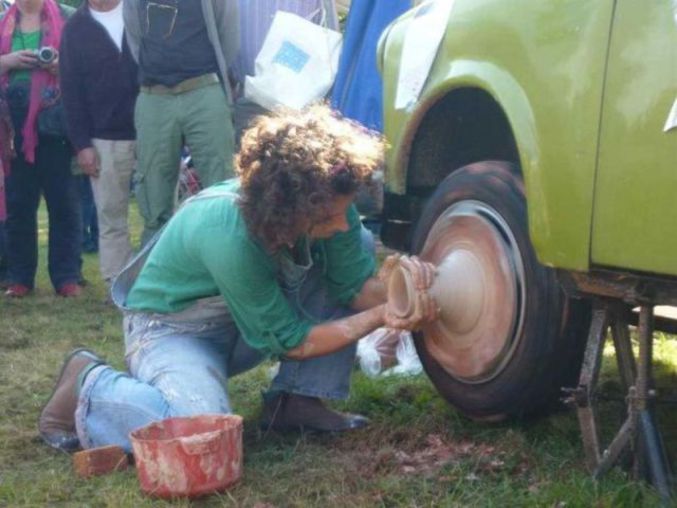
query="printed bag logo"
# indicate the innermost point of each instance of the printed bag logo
(291, 56)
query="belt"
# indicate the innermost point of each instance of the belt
(182, 87)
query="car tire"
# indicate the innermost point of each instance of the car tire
(528, 339)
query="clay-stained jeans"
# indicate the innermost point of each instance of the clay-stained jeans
(180, 364)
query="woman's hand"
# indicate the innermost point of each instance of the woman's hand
(422, 275)
(421, 271)
(426, 310)
(22, 59)
(52, 67)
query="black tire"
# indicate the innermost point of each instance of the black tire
(544, 352)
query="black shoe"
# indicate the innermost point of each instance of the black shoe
(57, 418)
(289, 412)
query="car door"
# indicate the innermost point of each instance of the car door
(635, 205)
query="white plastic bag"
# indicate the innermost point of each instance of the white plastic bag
(387, 352)
(296, 65)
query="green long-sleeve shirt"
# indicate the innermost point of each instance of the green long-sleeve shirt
(206, 250)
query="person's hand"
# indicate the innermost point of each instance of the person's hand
(22, 59)
(89, 161)
(387, 267)
(422, 272)
(425, 311)
(52, 67)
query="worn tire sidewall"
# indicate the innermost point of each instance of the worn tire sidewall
(525, 383)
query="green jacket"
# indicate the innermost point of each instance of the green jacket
(206, 250)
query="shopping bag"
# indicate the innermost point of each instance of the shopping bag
(296, 65)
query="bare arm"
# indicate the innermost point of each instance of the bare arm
(334, 335)
(373, 293)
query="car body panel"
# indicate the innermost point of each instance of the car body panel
(635, 210)
(543, 62)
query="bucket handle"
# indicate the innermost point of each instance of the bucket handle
(201, 444)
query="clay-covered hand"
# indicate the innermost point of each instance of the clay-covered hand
(387, 267)
(426, 310)
(422, 272)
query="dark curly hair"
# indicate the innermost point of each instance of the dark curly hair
(293, 163)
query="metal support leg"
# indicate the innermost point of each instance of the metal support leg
(650, 435)
(620, 334)
(585, 393)
(639, 431)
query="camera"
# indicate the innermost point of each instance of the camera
(46, 54)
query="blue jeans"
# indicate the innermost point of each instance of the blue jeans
(179, 365)
(90, 224)
(50, 176)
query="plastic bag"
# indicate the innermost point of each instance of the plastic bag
(388, 352)
(296, 65)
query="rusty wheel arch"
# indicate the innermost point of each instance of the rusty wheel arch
(464, 126)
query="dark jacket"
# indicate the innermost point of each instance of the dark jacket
(98, 82)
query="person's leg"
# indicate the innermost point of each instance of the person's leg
(111, 195)
(175, 370)
(21, 228)
(60, 187)
(158, 151)
(327, 377)
(89, 225)
(3, 254)
(294, 400)
(207, 126)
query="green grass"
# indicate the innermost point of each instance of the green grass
(417, 452)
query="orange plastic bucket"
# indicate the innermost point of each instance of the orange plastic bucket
(188, 456)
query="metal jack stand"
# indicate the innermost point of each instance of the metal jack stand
(639, 432)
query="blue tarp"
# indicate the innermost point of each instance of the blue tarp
(358, 89)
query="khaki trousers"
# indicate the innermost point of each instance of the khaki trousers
(201, 119)
(111, 195)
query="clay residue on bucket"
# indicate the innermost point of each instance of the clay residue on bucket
(189, 456)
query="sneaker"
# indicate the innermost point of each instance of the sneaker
(69, 290)
(57, 419)
(17, 291)
(288, 411)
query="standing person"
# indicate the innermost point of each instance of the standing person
(270, 264)
(184, 49)
(255, 20)
(99, 86)
(5, 153)
(43, 154)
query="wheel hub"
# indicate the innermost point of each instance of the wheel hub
(479, 289)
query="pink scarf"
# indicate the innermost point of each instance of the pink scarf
(44, 85)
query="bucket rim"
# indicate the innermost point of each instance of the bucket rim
(134, 435)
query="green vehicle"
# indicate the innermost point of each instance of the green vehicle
(541, 149)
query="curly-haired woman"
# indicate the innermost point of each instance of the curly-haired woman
(271, 264)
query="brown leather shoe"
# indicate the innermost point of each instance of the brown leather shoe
(57, 419)
(288, 411)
